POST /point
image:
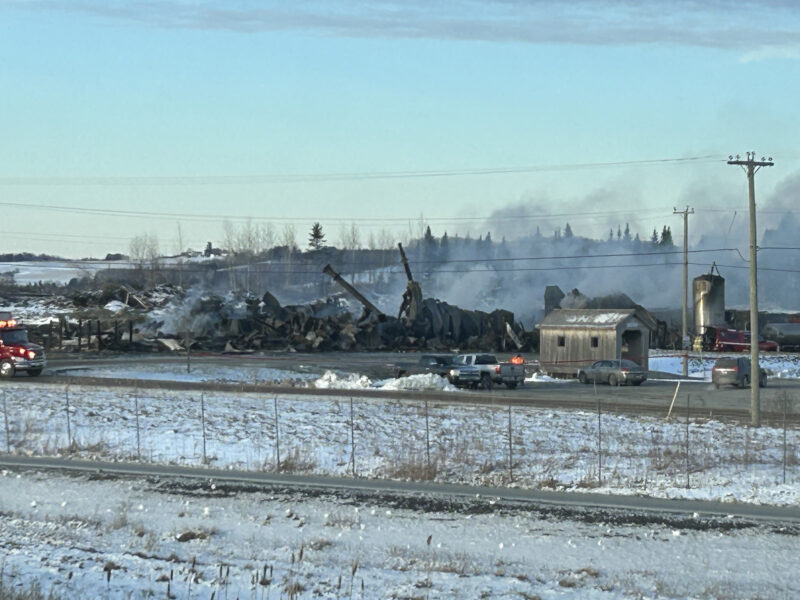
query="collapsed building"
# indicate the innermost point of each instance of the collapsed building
(251, 323)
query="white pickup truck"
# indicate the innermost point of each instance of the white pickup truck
(485, 370)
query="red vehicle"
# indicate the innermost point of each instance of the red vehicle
(732, 340)
(16, 352)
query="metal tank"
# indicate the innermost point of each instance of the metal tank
(709, 301)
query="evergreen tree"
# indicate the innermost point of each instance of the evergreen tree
(444, 246)
(654, 237)
(666, 236)
(488, 237)
(316, 239)
(627, 235)
(567, 231)
(611, 234)
(619, 232)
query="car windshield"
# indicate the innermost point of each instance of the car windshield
(14, 336)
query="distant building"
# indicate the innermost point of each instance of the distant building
(573, 338)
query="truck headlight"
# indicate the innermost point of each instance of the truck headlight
(454, 373)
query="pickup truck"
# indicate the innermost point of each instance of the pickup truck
(485, 370)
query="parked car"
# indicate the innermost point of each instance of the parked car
(613, 372)
(735, 371)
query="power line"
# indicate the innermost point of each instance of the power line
(363, 220)
(205, 180)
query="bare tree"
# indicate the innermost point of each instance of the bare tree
(289, 237)
(350, 237)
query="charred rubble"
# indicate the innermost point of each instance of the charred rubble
(169, 317)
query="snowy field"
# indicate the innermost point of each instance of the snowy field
(68, 534)
(778, 366)
(468, 444)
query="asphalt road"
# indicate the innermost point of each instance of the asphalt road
(653, 397)
(702, 509)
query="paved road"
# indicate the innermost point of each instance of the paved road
(751, 512)
(654, 397)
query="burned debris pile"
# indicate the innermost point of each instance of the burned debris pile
(329, 325)
(169, 317)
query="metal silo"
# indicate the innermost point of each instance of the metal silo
(709, 301)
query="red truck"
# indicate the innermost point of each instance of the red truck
(16, 352)
(721, 339)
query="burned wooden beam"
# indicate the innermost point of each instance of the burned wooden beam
(328, 270)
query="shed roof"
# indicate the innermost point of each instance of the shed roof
(583, 318)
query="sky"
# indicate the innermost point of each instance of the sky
(120, 119)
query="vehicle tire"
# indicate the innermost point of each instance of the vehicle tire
(34, 372)
(716, 386)
(582, 377)
(7, 369)
(763, 382)
(746, 381)
(486, 381)
(637, 383)
(612, 380)
(511, 385)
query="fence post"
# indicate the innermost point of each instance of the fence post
(69, 430)
(277, 438)
(187, 343)
(99, 336)
(138, 437)
(80, 331)
(203, 419)
(352, 440)
(5, 416)
(510, 448)
(599, 443)
(427, 438)
(785, 406)
(688, 403)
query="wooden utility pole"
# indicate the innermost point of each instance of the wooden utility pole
(751, 166)
(684, 357)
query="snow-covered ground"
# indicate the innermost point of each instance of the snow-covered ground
(469, 444)
(68, 533)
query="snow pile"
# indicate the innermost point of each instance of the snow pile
(427, 381)
(542, 378)
(353, 381)
(115, 306)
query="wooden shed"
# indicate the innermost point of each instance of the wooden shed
(574, 338)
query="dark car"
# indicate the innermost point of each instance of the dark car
(613, 372)
(440, 364)
(735, 371)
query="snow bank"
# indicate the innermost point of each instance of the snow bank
(353, 381)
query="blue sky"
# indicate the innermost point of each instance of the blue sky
(199, 108)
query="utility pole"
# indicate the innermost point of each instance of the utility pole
(751, 166)
(684, 342)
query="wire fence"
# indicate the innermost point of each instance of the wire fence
(492, 444)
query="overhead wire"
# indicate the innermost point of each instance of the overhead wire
(196, 180)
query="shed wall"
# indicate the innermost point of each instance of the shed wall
(577, 351)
